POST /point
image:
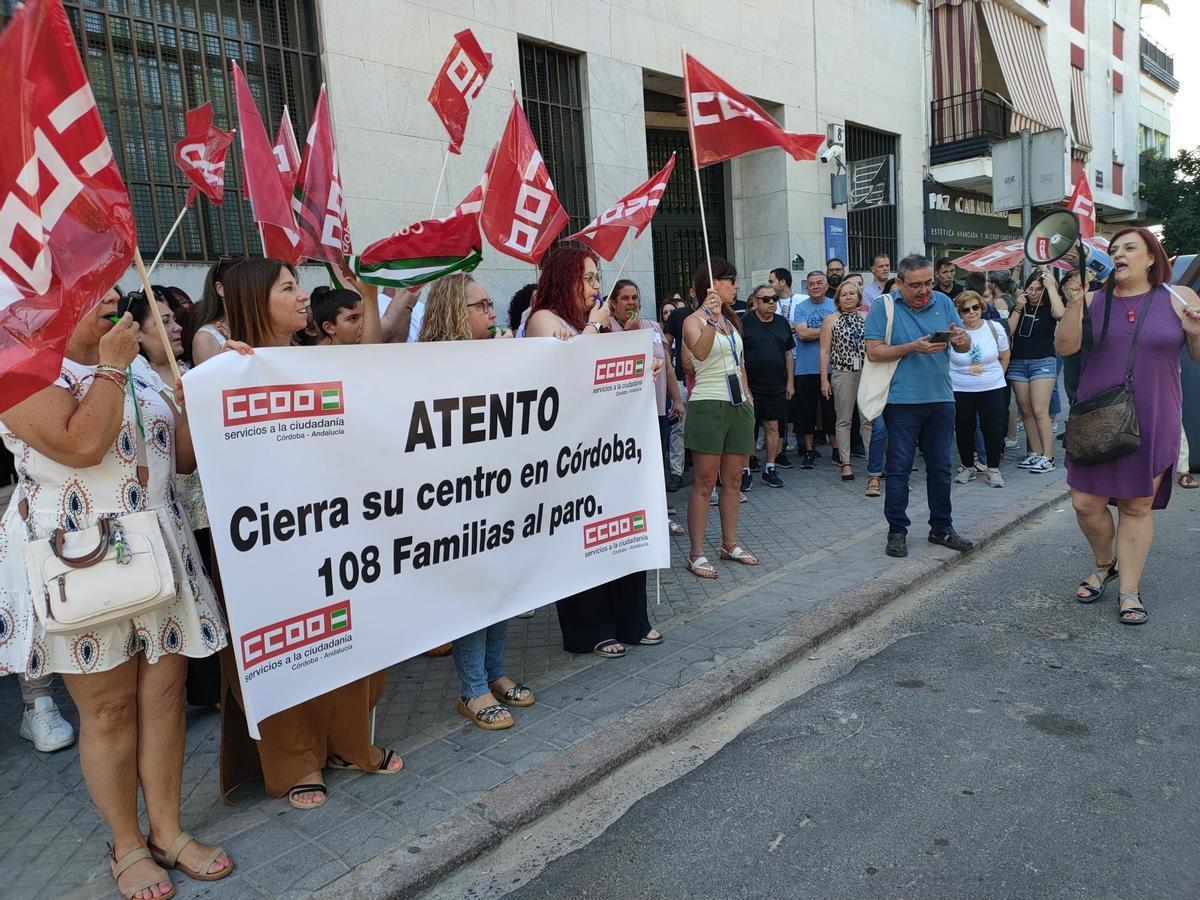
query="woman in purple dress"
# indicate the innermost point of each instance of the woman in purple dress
(1141, 481)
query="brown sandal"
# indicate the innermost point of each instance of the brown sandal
(1187, 482)
(873, 486)
(170, 859)
(119, 867)
(518, 695)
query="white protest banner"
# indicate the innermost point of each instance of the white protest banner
(369, 503)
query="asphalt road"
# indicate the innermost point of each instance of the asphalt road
(1011, 743)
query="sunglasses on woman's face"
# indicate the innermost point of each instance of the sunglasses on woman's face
(968, 309)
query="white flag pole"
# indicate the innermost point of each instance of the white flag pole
(621, 269)
(162, 329)
(167, 239)
(687, 94)
(441, 178)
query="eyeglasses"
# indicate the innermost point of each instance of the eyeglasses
(917, 284)
(485, 304)
(765, 298)
(974, 308)
(591, 278)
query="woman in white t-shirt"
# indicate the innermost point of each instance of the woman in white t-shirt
(980, 391)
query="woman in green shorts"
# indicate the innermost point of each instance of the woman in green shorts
(719, 429)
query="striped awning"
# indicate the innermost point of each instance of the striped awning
(956, 69)
(1081, 123)
(1023, 63)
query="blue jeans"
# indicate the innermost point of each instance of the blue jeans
(875, 453)
(479, 658)
(931, 425)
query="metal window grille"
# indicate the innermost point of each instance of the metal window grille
(553, 101)
(870, 231)
(151, 60)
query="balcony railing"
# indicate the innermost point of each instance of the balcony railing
(966, 125)
(1158, 63)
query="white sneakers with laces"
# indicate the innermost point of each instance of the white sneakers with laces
(994, 478)
(964, 475)
(45, 726)
(1042, 466)
(1029, 461)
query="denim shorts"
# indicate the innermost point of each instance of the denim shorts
(1026, 370)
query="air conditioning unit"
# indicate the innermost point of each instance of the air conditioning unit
(835, 133)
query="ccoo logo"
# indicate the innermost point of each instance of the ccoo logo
(266, 643)
(620, 368)
(608, 530)
(245, 406)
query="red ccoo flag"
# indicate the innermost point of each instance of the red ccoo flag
(66, 228)
(319, 203)
(458, 84)
(287, 152)
(635, 210)
(521, 214)
(1084, 208)
(201, 154)
(724, 123)
(269, 199)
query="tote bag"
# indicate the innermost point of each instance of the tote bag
(876, 378)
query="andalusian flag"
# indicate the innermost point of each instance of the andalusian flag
(639, 522)
(331, 398)
(422, 252)
(339, 618)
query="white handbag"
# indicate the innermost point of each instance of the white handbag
(114, 570)
(876, 378)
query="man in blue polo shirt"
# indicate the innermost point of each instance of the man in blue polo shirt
(920, 406)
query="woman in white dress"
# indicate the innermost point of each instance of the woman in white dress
(81, 457)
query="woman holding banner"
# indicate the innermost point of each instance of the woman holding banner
(459, 309)
(603, 619)
(719, 429)
(265, 306)
(97, 445)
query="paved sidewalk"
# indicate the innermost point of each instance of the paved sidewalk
(821, 543)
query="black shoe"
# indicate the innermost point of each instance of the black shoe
(783, 462)
(808, 460)
(771, 477)
(897, 544)
(951, 539)
(747, 481)
(674, 482)
(814, 451)
(754, 465)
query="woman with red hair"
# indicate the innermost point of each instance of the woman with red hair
(603, 619)
(1136, 300)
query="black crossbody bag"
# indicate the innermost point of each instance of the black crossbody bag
(1105, 427)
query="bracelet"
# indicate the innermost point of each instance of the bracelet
(596, 325)
(116, 376)
(103, 367)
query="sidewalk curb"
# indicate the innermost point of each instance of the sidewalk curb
(404, 871)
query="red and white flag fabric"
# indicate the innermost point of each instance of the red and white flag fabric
(201, 154)
(725, 123)
(521, 214)
(287, 152)
(1001, 255)
(269, 198)
(1084, 208)
(605, 233)
(319, 204)
(66, 226)
(458, 84)
(422, 252)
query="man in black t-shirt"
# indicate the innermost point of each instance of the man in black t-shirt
(768, 342)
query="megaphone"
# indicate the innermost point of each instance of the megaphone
(1055, 237)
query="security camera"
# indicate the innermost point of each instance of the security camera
(833, 153)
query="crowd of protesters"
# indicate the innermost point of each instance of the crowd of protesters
(742, 379)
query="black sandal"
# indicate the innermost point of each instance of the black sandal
(337, 762)
(1133, 609)
(846, 477)
(307, 789)
(1095, 593)
(607, 654)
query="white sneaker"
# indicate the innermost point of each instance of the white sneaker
(716, 495)
(744, 499)
(980, 466)
(995, 479)
(1030, 461)
(1043, 465)
(45, 726)
(964, 475)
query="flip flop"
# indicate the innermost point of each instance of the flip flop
(649, 641)
(615, 654)
(701, 567)
(306, 789)
(739, 555)
(337, 762)
(169, 859)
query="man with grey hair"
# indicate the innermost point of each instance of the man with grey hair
(920, 404)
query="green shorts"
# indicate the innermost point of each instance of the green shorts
(717, 426)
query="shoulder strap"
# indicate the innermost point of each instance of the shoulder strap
(889, 307)
(995, 336)
(1141, 320)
